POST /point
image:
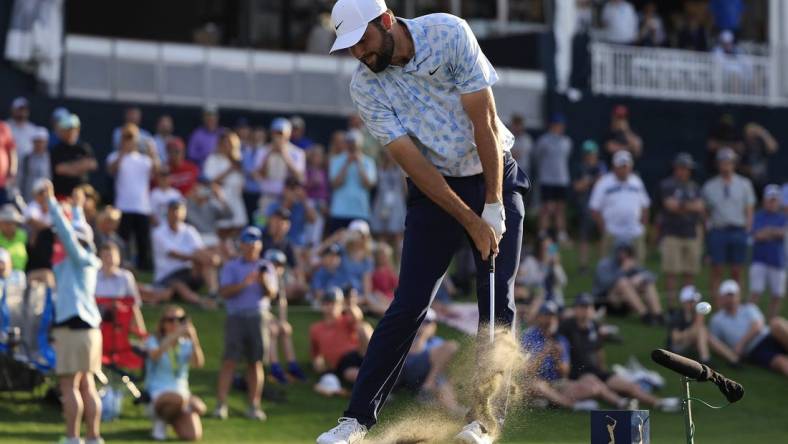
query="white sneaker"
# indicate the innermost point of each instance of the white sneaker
(474, 433)
(159, 432)
(256, 413)
(349, 431)
(220, 412)
(585, 406)
(669, 405)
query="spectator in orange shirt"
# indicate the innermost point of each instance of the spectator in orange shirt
(339, 342)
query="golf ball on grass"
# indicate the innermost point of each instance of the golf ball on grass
(703, 308)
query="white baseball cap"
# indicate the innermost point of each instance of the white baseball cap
(350, 19)
(622, 158)
(729, 287)
(359, 226)
(689, 294)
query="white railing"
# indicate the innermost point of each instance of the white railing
(168, 73)
(673, 74)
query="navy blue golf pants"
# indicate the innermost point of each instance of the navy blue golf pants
(432, 237)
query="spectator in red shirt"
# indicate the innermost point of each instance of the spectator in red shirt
(384, 281)
(183, 173)
(8, 163)
(339, 342)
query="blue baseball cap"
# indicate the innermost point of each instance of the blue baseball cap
(250, 235)
(282, 125)
(584, 300)
(557, 118)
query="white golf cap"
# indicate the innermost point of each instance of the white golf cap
(689, 294)
(350, 19)
(622, 158)
(359, 226)
(729, 287)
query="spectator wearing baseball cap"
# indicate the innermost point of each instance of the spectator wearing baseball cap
(682, 214)
(22, 128)
(743, 329)
(767, 271)
(687, 330)
(71, 158)
(621, 136)
(730, 201)
(590, 170)
(551, 156)
(246, 284)
(278, 161)
(36, 165)
(620, 205)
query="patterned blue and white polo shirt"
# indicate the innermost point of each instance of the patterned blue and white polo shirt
(422, 98)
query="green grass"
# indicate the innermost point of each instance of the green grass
(759, 417)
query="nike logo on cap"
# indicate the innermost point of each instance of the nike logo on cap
(336, 28)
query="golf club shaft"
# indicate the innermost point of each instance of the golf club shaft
(492, 299)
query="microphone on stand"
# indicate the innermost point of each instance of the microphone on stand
(732, 390)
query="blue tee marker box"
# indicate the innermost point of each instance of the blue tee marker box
(620, 427)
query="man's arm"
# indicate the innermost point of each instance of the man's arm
(480, 107)
(427, 178)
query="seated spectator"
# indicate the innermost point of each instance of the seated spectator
(620, 22)
(759, 146)
(742, 328)
(358, 264)
(330, 273)
(590, 171)
(133, 116)
(117, 283)
(205, 208)
(71, 158)
(426, 368)
(587, 355)
(280, 330)
(279, 160)
(13, 238)
(36, 165)
(622, 284)
(171, 351)
(183, 173)
(652, 29)
(687, 330)
(352, 175)
(384, 281)
(548, 354)
(621, 136)
(768, 251)
(246, 287)
(620, 205)
(223, 167)
(204, 140)
(181, 262)
(161, 195)
(339, 342)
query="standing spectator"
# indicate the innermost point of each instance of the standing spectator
(352, 175)
(8, 162)
(621, 136)
(132, 115)
(730, 200)
(245, 287)
(223, 168)
(204, 139)
(133, 172)
(552, 154)
(743, 329)
(338, 144)
(687, 330)
(71, 159)
(36, 165)
(318, 191)
(165, 129)
(13, 238)
(183, 173)
(620, 22)
(759, 146)
(76, 331)
(522, 150)
(590, 171)
(279, 160)
(298, 136)
(680, 225)
(727, 14)
(652, 30)
(369, 145)
(161, 195)
(620, 205)
(249, 154)
(388, 210)
(723, 135)
(171, 351)
(768, 252)
(22, 129)
(57, 134)
(339, 342)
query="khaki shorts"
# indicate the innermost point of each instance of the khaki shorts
(680, 255)
(77, 350)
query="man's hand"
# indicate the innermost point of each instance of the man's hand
(495, 216)
(484, 238)
(252, 278)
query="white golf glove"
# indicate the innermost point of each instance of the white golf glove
(495, 216)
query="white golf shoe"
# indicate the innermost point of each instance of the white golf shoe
(474, 433)
(349, 431)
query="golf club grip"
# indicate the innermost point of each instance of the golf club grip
(492, 264)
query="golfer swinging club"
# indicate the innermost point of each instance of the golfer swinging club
(424, 92)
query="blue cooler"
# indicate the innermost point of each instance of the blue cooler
(620, 427)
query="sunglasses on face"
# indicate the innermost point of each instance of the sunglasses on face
(174, 319)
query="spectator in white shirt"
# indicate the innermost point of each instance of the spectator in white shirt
(620, 22)
(133, 172)
(23, 130)
(181, 261)
(619, 205)
(132, 115)
(279, 160)
(223, 167)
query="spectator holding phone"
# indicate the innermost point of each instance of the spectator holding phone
(171, 351)
(245, 286)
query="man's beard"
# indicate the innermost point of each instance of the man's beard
(384, 55)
